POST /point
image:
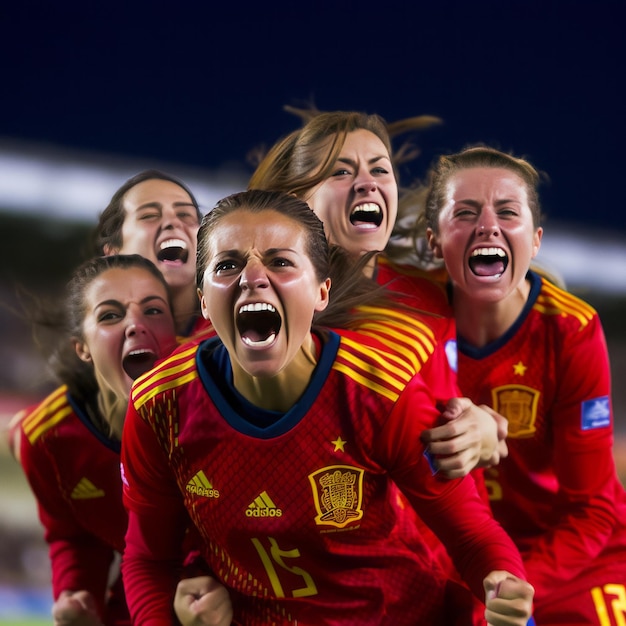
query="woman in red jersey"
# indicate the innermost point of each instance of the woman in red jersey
(342, 164)
(156, 215)
(538, 355)
(117, 324)
(280, 441)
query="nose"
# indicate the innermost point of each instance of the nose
(253, 275)
(487, 225)
(170, 218)
(134, 323)
(365, 184)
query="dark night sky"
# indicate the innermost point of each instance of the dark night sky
(202, 83)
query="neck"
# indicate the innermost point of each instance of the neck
(185, 305)
(113, 410)
(281, 391)
(480, 322)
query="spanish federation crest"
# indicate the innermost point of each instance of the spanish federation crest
(519, 405)
(337, 492)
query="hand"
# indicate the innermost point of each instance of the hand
(509, 599)
(75, 608)
(202, 601)
(472, 436)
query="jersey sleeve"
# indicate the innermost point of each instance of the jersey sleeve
(156, 527)
(79, 559)
(453, 509)
(583, 461)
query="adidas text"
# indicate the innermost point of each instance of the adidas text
(203, 491)
(264, 512)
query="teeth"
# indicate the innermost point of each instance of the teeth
(257, 306)
(265, 342)
(173, 243)
(367, 207)
(142, 351)
(489, 252)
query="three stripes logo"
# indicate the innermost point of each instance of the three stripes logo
(263, 506)
(86, 490)
(201, 486)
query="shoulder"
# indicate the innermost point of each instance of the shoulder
(34, 422)
(423, 289)
(552, 301)
(409, 336)
(375, 364)
(175, 371)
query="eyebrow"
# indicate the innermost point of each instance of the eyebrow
(373, 160)
(477, 204)
(269, 251)
(113, 302)
(155, 204)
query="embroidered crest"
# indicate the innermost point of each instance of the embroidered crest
(337, 492)
(519, 405)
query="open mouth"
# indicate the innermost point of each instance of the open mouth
(138, 362)
(367, 214)
(258, 324)
(488, 261)
(173, 250)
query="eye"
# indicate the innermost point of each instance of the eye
(154, 310)
(464, 212)
(342, 171)
(281, 262)
(508, 211)
(109, 316)
(226, 266)
(144, 217)
(188, 216)
(380, 170)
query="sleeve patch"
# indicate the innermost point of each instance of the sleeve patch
(595, 413)
(453, 355)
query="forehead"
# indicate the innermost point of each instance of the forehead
(123, 284)
(243, 229)
(155, 190)
(362, 140)
(476, 182)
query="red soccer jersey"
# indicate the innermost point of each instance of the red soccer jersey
(557, 493)
(74, 472)
(297, 516)
(426, 293)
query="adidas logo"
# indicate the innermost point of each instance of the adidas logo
(85, 490)
(263, 506)
(201, 486)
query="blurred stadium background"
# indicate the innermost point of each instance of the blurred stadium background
(49, 203)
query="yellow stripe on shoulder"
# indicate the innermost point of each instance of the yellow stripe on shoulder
(148, 394)
(175, 371)
(409, 323)
(366, 382)
(381, 370)
(553, 300)
(50, 412)
(400, 332)
(383, 366)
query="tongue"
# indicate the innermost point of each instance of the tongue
(488, 269)
(254, 339)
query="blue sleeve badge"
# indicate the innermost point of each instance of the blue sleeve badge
(453, 355)
(595, 413)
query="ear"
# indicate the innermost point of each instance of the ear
(203, 305)
(82, 350)
(537, 241)
(433, 242)
(324, 295)
(110, 250)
